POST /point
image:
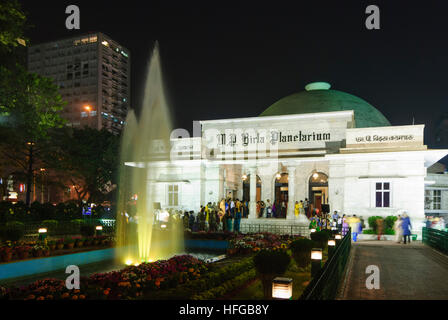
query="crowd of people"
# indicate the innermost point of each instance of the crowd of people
(436, 223)
(224, 216)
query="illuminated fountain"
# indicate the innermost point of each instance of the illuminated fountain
(141, 236)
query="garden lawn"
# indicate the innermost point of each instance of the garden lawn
(300, 279)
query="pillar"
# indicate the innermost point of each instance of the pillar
(291, 192)
(253, 193)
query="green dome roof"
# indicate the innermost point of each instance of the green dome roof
(318, 98)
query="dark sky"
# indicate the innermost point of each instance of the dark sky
(224, 59)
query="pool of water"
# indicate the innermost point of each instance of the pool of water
(98, 267)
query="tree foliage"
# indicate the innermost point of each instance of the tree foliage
(89, 159)
(12, 25)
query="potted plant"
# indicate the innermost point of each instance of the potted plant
(69, 243)
(23, 252)
(95, 241)
(51, 245)
(79, 242)
(6, 253)
(60, 244)
(38, 251)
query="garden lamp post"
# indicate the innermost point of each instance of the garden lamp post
(338, 238)
(99, 230)
(331, 247)
(42, 233)
(316, 261)
(282, 288)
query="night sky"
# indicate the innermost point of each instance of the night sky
(225, 59)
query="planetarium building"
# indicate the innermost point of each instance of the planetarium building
(324, 145)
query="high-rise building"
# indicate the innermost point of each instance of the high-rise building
(93, 74)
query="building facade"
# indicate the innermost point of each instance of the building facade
(93, 74)
(323, 145)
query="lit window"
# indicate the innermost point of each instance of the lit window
(105, 43)
(382, 194)
(83, 114)
(93, 113)
(124, 54)
(93, 39)
(173, 195)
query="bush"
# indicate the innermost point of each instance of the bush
(270, 264)
(389, 222)
(372, 222)
(87, 230)
(320, 238)
(301, 251)
(13, 231)
(368, 231)
(389, 232)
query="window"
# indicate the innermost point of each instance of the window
(173, 195)
(433, 199)
(382, 194)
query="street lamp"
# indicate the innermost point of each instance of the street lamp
(338, 238)
(316, 261)
(99, 230)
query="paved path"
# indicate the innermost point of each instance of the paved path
(407, 272)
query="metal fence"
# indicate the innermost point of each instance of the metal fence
(325, 284)
(436, 239)
(276, 229)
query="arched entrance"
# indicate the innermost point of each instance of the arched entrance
(246, 188)
(281, 194)
(318, 190)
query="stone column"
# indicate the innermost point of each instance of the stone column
(253, 193)
(291, 192)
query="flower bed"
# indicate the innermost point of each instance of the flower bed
(244, 244)
(128, 283)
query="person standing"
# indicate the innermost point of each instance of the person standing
(268, 209)
(406, 226)
(274, 210)
(258, 209)
(262, 206)
(283, 209)
(379, 227)
(398, 230)
(354, 225)
(344, 225)
(306, 206)
(237, 220)
(296, 209)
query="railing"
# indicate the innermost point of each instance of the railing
(64, 228)
(325, 284)
(276, 229)
(436, 239)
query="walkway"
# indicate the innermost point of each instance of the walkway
(407, 272)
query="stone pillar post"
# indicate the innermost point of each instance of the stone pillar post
(291, 192)
(253, 193)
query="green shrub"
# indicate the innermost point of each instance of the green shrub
(270, 264)
(368, 231)
(389, 232)
(372, 222)
(301, 251)
(320, 238)
(389, 222)
(87, 230)
(13, 231)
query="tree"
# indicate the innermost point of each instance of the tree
(30, 108)
(12, 26)
(88, 158)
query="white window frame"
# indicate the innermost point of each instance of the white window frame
(169, 192)
(432, 196)
(374, 190)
